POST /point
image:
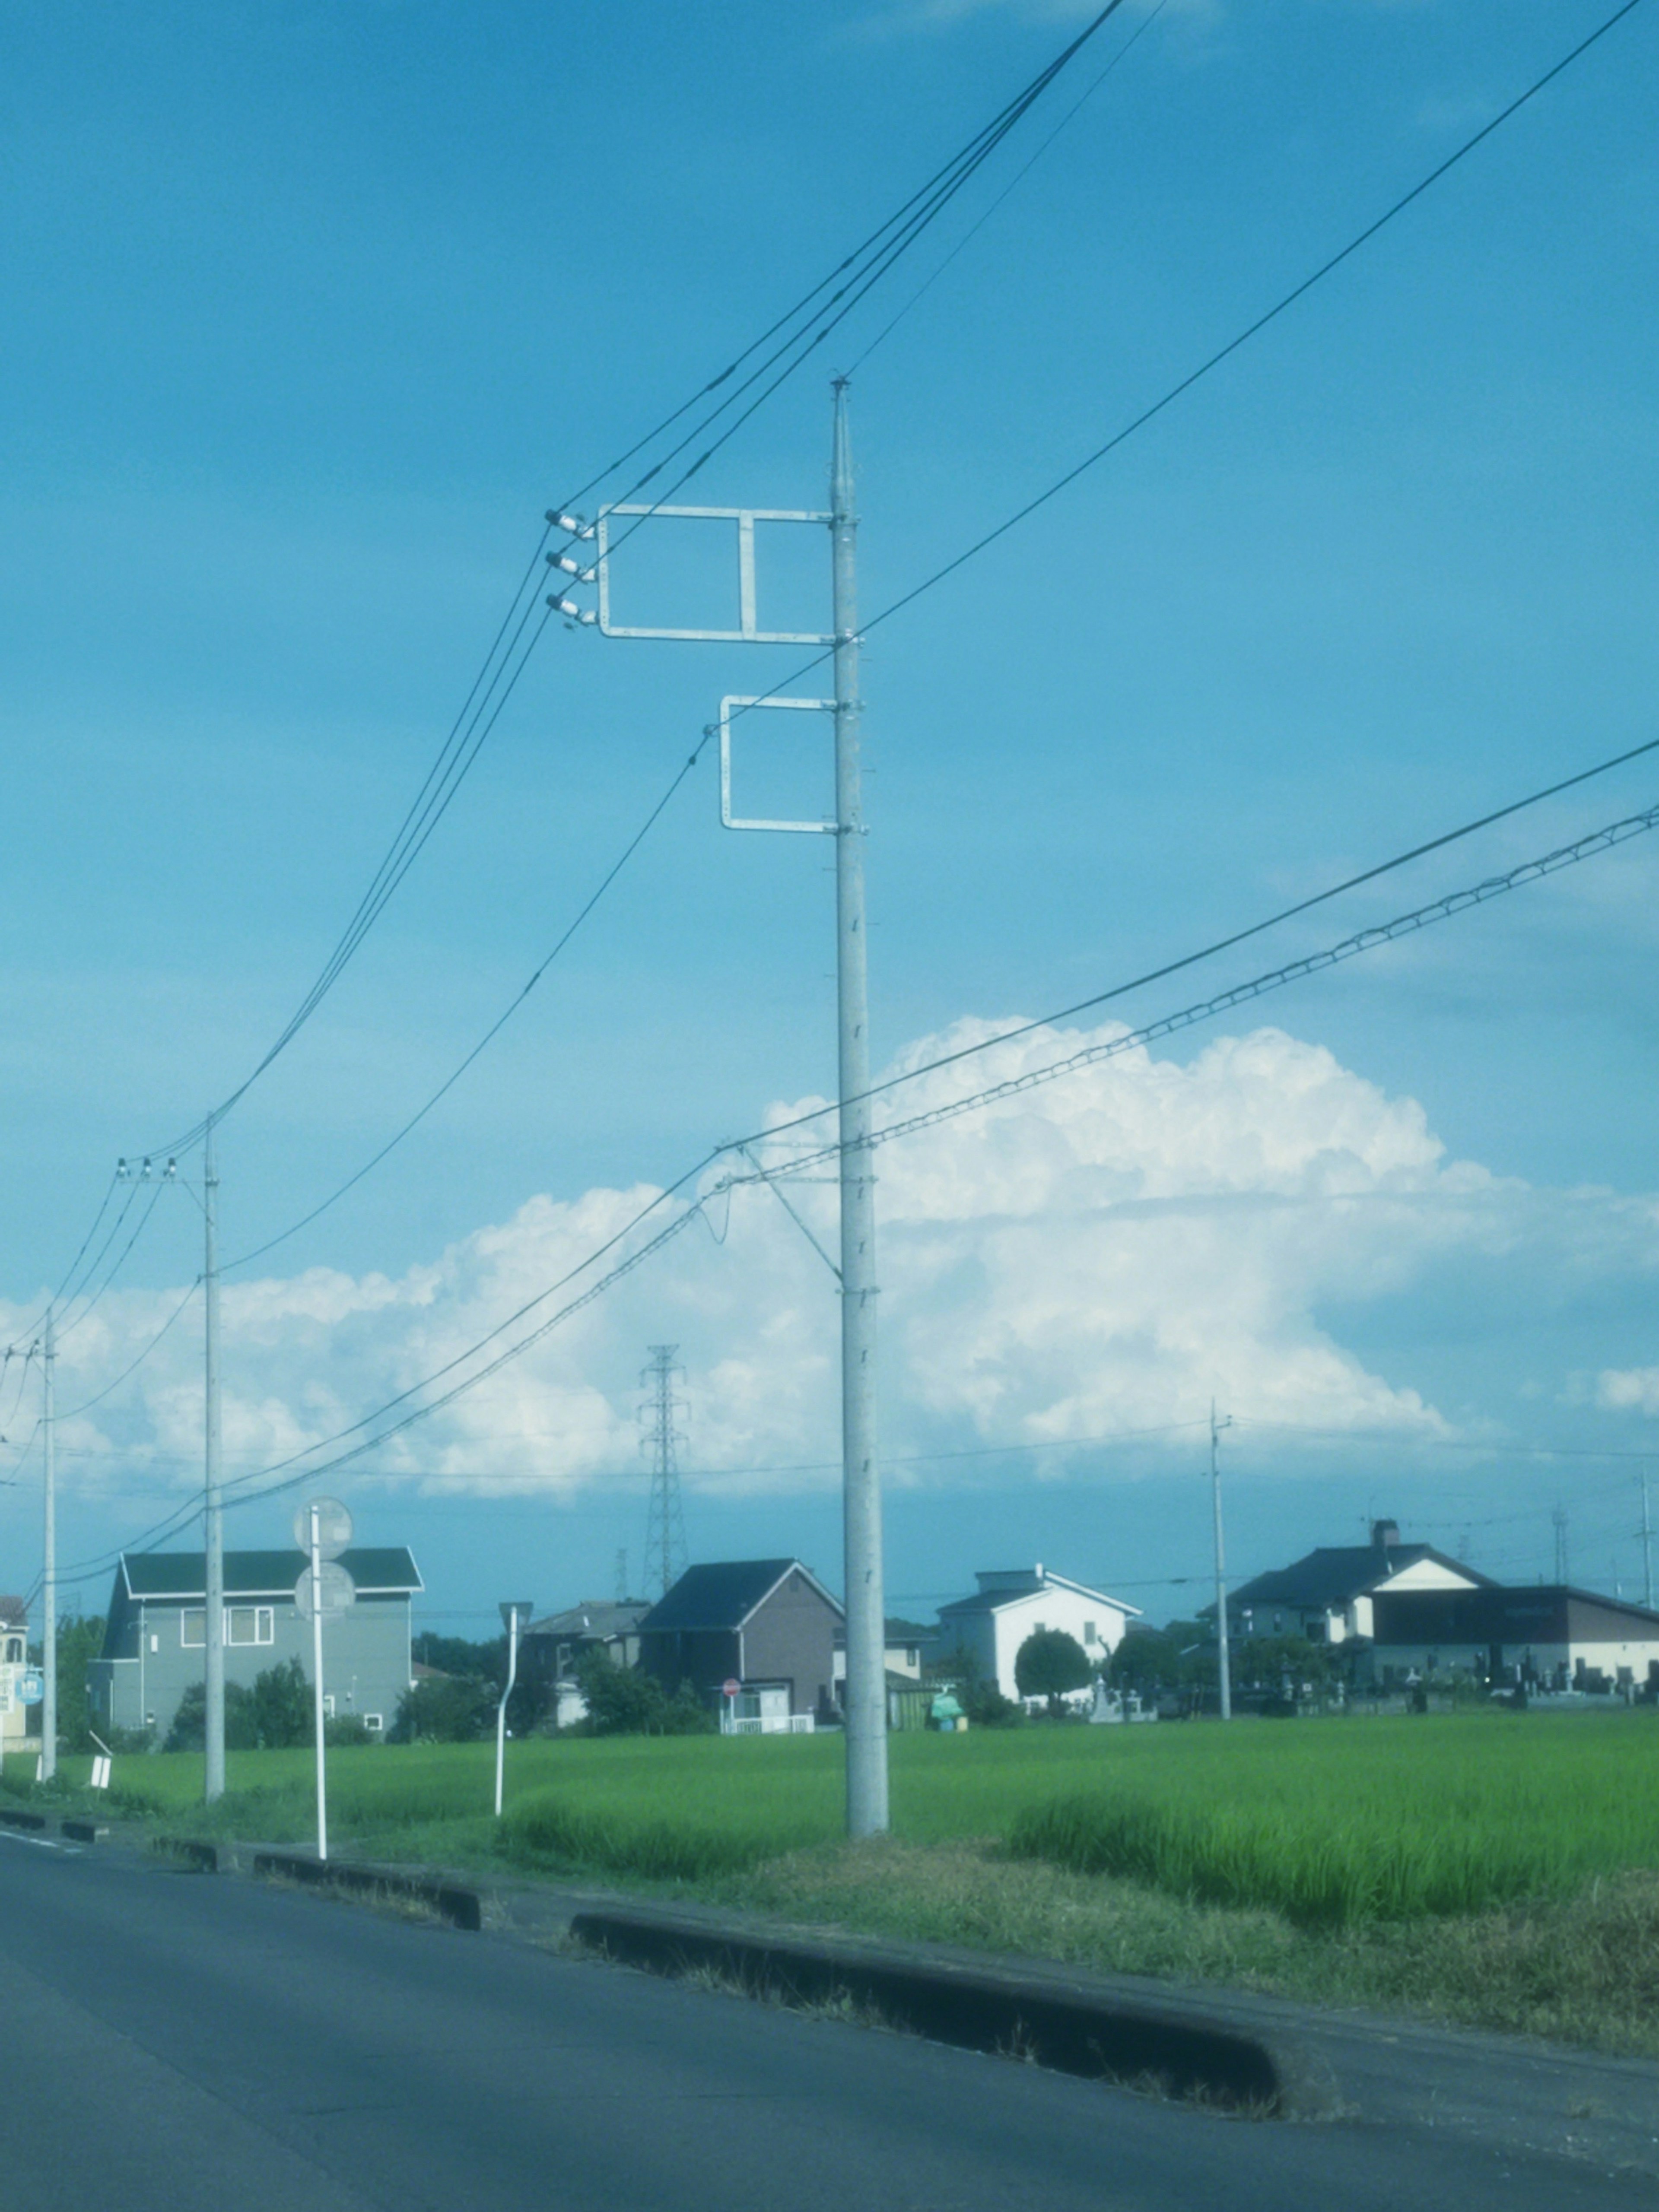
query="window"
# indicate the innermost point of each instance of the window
(328, 1705)
(244, 1624)
(1089, 1635)
(373, 1724)
(14, 1650)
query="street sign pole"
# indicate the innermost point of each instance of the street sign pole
(317, 1675)
(510, 1614)
(322, 1530)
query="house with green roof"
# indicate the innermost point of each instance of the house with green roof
(156, 1640)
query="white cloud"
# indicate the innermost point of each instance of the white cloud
(1101, 1253)
(1628, 1390)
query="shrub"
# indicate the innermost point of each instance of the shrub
(625, 1701)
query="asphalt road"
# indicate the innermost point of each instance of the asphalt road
(181, 2043)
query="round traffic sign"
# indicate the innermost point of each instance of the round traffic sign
(31, 1688)
(730, 1687)
(333, 1527)
(336, 1592)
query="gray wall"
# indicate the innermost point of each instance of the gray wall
(365, 1661)
(793, 1640)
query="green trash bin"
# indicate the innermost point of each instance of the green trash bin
(946, 1714)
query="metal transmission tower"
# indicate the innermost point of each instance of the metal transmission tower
(867, 1684)
(664, 1533)
(1559, 1518)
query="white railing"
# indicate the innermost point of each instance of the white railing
(768, 1724)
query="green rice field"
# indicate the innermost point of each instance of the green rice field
(1492, 1869)
(1331, 1823)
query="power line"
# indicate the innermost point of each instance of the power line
(1364, 940)
(1252, 330)
(1018, 179)
(861, 268)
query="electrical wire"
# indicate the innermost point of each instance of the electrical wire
(1261, 322)
(70, 1326)
(1018, 179)
(109, 1388)
(1452, 903)
(869, 261)
(1364, 940)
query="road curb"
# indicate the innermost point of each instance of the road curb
(83, 1832)
(461, 1908)
(1062, 2020)
(34, 1822)
(204, 1857)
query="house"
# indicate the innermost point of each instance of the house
(14, 1665)
(1548, 1636)
(1012, 1602)
(552, 1646)
(767, 1625)
(155, 1636)
(1327, 1596)
(909, 1645)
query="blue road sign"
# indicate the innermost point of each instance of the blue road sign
(31, 1688)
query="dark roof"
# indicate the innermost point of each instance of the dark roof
(374, 1569)
(1337, 1572)
(723, 1595)
(14, 1613)
(600, 1617)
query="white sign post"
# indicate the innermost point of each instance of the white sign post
(512, 1614)
(322, 1530)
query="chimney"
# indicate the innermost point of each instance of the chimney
(1385, 1532)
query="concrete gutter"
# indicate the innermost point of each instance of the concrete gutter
(1072, 2022)
(1256, 2054)
(462, 1908)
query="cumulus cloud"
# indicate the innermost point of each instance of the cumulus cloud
(1100, 1255)
(1628, 1390)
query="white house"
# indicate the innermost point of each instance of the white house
(1012, 1602)
(1328, 1596)
(14, 1665)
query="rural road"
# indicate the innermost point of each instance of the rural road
(175, 2043)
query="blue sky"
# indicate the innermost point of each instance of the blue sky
(314, 310)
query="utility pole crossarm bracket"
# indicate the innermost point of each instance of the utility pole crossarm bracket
(748, 631)
(746, 705)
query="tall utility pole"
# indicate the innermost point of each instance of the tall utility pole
(1647, 1546)
(49, 1572)
(866, 1707)
(1222, 1657)
(867, 1626)
(665, 1529)
(213, 1523)
(1559, 1518)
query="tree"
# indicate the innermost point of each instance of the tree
(445, 1709)
(627, 1701)
(80, 1640)
(1146, 1659)
(282, 1708)
(1049, 1663)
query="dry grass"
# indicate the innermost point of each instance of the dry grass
(1584, 1971)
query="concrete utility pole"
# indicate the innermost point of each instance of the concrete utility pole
(866, 1625)
(213, 1521)
(49, 1572)
(867, 1684)
(1223, 1658)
